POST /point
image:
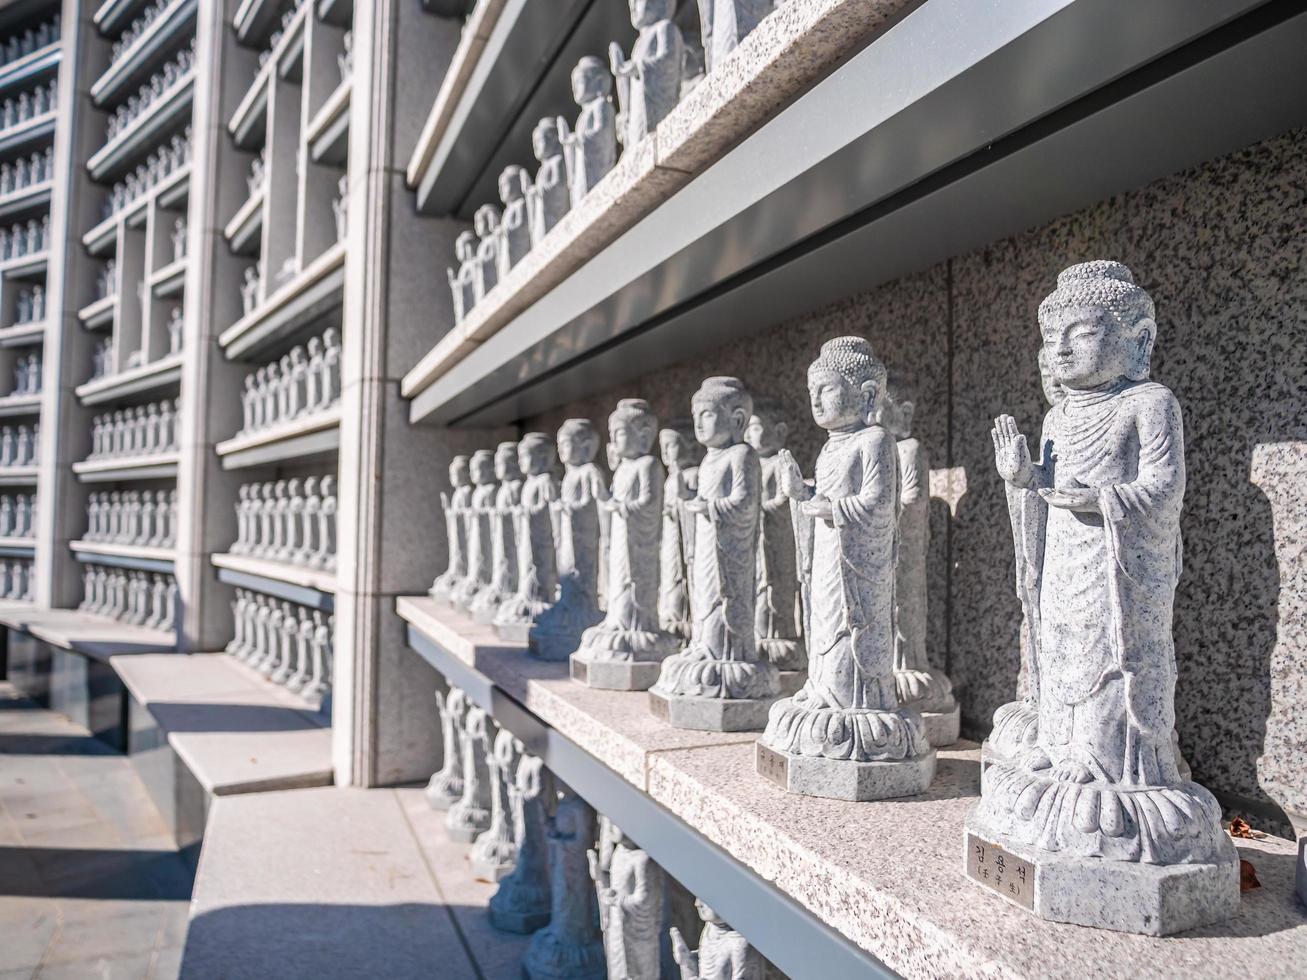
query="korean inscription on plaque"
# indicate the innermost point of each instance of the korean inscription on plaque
(1001, 871)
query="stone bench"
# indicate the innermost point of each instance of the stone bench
(204, 726)
(339, 882)
(60, 658)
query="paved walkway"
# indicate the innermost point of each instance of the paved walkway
(90, 884)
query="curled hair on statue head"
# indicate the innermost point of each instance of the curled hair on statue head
(1109, 286)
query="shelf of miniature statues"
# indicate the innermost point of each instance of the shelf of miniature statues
(17, 547)
(169, 280)
(288, 642)
(277, 580)
(243, 230)
(27, 199)
(317, 290)
(705, 787)
(30, 67)
(160, 375)
(338, 13)
(29, 266)
(100, 314)
(114, 15)
(131, 61)
(282, 59)
(167, 112)
(123, 605)
(23, 334)
(307, 437)
(169, 193)
(12, 406)
(279, 571)
(124, 556)
(157, 467)
(17, 476)
(327, 134)
(286, 533)
(745, 245)
(510, 69)
(29, 131)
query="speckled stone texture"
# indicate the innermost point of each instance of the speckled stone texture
(1220, 250)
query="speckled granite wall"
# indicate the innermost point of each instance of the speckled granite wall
(1223, 249)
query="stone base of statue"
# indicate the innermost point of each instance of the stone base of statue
(484, 606)
(1124, 896)
(697, 691)
(443, 791)
(518, 908)
(942, 728)
(463, 595)
(621, 660)
(465, 824)
(492, 860)
(614, 675)
(711, 714)
(444, 586)
(930, 693)
(552, 956)
(842, 779)
(784, 655)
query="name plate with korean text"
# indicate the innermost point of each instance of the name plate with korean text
(1001, 871)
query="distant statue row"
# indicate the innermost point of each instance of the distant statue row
(16, 579)
(106, 280)
(274, 39)
(161, 164)
(288, 644)
(144, 518)
(160, 84)
(22, 239)
(102, 358)
(595, 904)
(137, 598)
(663, 66)
(33, 39)
(20, 445)
(301, 383)
(139, 25)
(17, 515)
(24, 172)
(27, 376)
(39, 101)
(29, 304)
(145, 430)
(291, 520)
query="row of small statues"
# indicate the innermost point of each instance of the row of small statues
(1083, 769)
(153, 91)
(301, 383)
(145, 430)
(16, 579)
(139, 25)
(29, 105)
(287, 18)
(26, 172)
(102, 360)
(145, 518)
(20, 445)
(162, 163)
(106, 280)
(29, 304)
(289, 520)
(664, 65)
(595, 904)
(17, 515)
(137, 598)
(288, 644)
(25, 239)
(27, 375)
(33, 39)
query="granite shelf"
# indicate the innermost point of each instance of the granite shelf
(99, 314)
(103, 238)
(29, 67)
(29, 131)
(16, 405)
(17, 547)
(811, 203)
(169, 280)
(18, 476)
(29, 198)
(94, 636)
(279, 571)
(242, 231)
(305, 587)
(25, 266)
(162, 38)
(315, 292)
(327, 134)
(23, 334)
(338, 13)
(160, 466)
(114, 15)
(165, 373)
(166, 113)
(302, 438)
(822, 887)
(140, 557)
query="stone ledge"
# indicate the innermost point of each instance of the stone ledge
(235, 731)
(96, 637)
(338, 883)
(885, 874)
